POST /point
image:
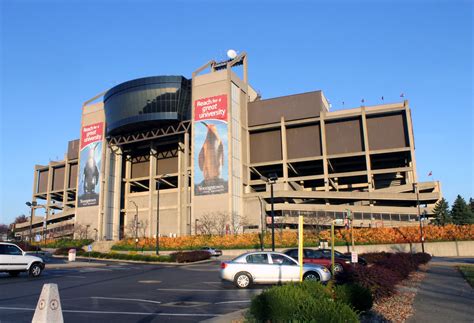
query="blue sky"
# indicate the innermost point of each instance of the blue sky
(57, 54)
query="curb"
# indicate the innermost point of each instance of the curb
(142, 262)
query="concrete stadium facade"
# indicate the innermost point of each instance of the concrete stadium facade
(170, 156)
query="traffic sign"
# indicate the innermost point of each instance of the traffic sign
(89, 248)
(354, 257)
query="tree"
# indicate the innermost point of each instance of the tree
(441, 213)
(471, 203)
(461, 212)
(3, 228)
(21, 219)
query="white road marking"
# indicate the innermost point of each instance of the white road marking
(126, 299)
(234, 302)
(149, 281)
(205, 290)
(111, 312)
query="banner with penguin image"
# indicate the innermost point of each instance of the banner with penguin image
(90, 164)
(210, 146)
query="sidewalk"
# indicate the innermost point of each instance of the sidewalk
(444, 295)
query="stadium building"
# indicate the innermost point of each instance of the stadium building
(178, 156)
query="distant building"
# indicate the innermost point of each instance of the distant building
(207, 146)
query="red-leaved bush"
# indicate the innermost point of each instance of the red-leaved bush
(384, 272)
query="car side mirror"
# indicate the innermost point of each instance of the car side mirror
(23, 253)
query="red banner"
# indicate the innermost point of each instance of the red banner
(212, 108)
(91, 133)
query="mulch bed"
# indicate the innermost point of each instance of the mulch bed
(398, 307)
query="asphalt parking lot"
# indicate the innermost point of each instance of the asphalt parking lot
(124, 292)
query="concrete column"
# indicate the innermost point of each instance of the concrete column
(322, 128)
(151, 192)
(411, 141)
(367, 150)
(284, 153)
(102, 226)
(126, 200)
(48, 195)
(117, 194)
(67, 169)
(181, 178)
(187, 192)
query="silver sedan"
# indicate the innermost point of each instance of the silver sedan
(269, 268)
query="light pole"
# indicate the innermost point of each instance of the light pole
(32, 206)
(262, 221)
(271, 179)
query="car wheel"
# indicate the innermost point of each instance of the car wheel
(242, 280)
(35, 270)
(311, 276)
(13, 273)
(338, 268)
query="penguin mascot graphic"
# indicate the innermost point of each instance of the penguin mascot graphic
(211, 157)
(91, 172)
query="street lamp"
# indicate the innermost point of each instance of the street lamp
(271, 179)
(32, 206)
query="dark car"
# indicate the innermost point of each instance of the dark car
(327, 252)
(312, 256)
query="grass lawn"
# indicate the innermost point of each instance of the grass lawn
(468, 273)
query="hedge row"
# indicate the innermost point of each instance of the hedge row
(384, 272)
(180, 257)
(66, 243)
(287, 239)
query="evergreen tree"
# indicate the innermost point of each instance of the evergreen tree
(441, 213)
(471, 202)
(461, 212)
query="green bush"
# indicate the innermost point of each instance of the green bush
(354, 295)
(303, 302)
(68, 243)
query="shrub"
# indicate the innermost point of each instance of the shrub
(190, 256)
(354, 295)
(67, 243)
(373, 257)
(379, 280)
(25, 246)
(400, 263)
(297, 303)
(421, 258)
